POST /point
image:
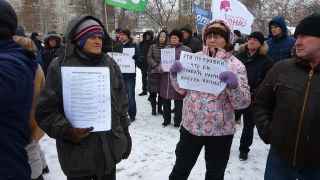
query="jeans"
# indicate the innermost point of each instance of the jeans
(217, 151)
(279, 169)
(130, 83)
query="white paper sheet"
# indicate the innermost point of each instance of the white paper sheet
(168, 57)
(87, 97)
(201, 73)
(124, 61)
(129, 51)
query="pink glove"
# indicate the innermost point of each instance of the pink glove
(176, 67)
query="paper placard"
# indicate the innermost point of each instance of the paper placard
(87, 97)
(168, 57)
(129, 51)
(201, 73)
(124, 61)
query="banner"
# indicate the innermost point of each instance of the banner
(203, 17)
(201, 73)
(124, 61)
(234, 13)
(133, 5)
(168, 57)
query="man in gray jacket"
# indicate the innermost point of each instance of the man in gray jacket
(85, 155)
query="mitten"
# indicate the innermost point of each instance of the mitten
(176, 67)
(230, 79)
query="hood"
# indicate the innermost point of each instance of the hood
(262, 51)
(281, 22)
(150, 33)
(70, 32)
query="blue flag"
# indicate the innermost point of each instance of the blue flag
(203, 17)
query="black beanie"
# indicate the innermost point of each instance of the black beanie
(126, 32)
(8, 20)
(178, 33)
(309, 26)
(257, 35)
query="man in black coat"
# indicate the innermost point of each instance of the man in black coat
(254, 56)
(193, 43)
(287, 111)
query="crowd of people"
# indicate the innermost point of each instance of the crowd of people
(272, 82)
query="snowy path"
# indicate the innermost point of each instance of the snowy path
(152, 156)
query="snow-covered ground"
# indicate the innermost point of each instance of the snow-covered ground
(153, 157)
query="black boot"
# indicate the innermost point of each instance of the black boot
(143, 93)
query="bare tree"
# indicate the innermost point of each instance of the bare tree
(161, 11)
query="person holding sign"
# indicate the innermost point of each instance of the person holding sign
(154, 71)
(85, 155)
(167, 91)
(130, 78)
(207, 119)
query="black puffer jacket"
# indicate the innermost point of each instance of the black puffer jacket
(287, 112)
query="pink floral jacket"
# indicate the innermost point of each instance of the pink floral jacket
(205, 114)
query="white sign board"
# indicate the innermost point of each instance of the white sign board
(234, 13)
(87, 97)
(168, 57)
(124, 61)
(129, 51)
(201, 73)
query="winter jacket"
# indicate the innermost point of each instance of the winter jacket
(256, 65)
(193, 43)
(48, 53)
(286, 112)
(168, 79)
(136, 58)
(16, 91)
(205, 114)
(154, 72)
(98, 153)
(280, 48)
(144, 48)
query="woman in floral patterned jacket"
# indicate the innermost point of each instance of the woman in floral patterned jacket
(208, 120)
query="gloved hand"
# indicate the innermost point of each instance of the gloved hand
(75, 135)
(176, 67)
(230, 79)
(129, 145)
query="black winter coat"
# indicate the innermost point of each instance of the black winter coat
(287, 112)
(256, 65)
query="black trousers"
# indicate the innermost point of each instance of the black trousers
(154, 102)
(248, 129)
(106, 177)
(178, 104)
(144, 74)
(217, 151)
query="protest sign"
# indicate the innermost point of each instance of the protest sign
(201, 73)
